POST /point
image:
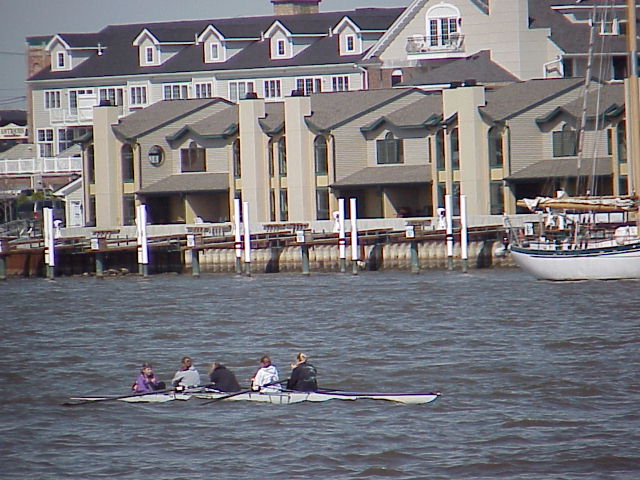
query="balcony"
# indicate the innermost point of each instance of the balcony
(425, 46)
(31, 166)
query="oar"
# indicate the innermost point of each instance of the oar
(243, 391)
(108, 399)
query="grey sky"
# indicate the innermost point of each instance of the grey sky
(23, 18)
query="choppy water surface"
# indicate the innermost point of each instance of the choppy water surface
(539, 380)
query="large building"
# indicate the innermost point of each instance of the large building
(293, 110)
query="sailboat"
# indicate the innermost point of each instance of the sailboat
(575, 243)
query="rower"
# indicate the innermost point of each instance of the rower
(303, 376)
(267, 374)
(223, 379)
(187, 376)
(147, 381)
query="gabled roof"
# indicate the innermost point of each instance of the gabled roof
(221, 124)
(120, 56)
(511, 100)
(158, 115)
(387, 175)
(478, 66)
(21, 150)
(77, 40)
(425, 112)
(603, 100)
(331, 110)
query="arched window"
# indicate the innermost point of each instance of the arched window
(455, 149)
(91, 165)
(443, 26)
(440, 165)
(565, 142)
(496, 152)
(282, 156)
(126, 155)
(193, 159)
(237, 171)
(320, 155)
(390, 150)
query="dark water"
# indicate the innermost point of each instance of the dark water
(539, 380)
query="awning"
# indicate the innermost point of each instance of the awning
(563, 168)
(189, 183)
(387, 176)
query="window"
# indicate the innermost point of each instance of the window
(214, 51)
(175, 92)
(455, 149)
(65, 139)
(73, 99)
(155, 155)
(282, 156)
(322, 203)
(441, 191)
(237, 170)
(272, 205)
(320, 156)
(128, 209)
(350, 43)
(442, 26)
(496, 153)
(126, 155)
(440, 164)
(281, 48)
(396, 77)
(389, 150)
(52, 99)
(565, 142)
(623, 185)
(91, 166)
(138, 96)
(115, 96)
(622, 142)
(193, 159)
(270, 159)
(45, 142)
(340, 84)
(61, 60)
(239, 90)
(610, 27)
(272, 89)
(284, 206)
(496, 198)
(203, 90)
(309, 85)
(149, 54)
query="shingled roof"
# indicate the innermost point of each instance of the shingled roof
(387, 175)
(120, 57)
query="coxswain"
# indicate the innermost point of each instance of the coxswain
(147, 382)
(266, 377)
(223, 379)
(303, 376)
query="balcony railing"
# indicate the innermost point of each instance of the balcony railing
(29, 166)
(419, 44)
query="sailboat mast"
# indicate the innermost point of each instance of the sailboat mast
(633, 99)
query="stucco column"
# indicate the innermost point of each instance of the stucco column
(108, 176)
(300, 166)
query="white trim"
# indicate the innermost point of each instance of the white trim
(342, 23)
(275, 26)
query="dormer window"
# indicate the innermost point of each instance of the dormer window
(214, 50)
(443, 26)
(149, 54)
(281, 48)
(61, 60)
(213, 44)
(350, 43)
(280, 41)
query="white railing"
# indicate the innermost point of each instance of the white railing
(27, 166)
(418, 44)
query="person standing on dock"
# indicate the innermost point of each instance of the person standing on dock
(266, 374)
(187, 376)
(303, 376)
(223, 379)
(147, 381)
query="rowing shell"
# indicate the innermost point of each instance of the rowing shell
(152, 398)
(285, 398)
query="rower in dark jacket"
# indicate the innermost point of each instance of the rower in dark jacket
(223, 379)
(303, 376)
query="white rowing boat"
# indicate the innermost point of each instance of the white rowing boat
(285, 398)
(147, 398)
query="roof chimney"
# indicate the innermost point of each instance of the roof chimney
(295, 7)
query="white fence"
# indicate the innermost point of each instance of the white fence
(30, 166)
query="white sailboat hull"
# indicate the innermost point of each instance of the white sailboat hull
(609, 263)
